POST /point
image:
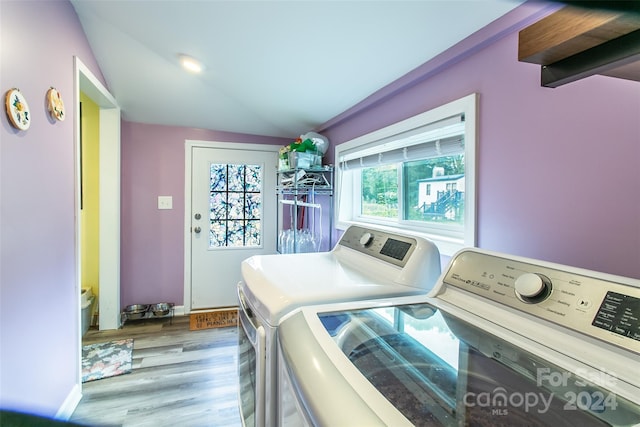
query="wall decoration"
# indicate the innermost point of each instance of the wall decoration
(17, 109)
(55, 104)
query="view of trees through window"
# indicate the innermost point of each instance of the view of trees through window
(431, 190)
(380, 191)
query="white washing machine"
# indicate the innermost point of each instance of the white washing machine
(500, 340)
(366, 263)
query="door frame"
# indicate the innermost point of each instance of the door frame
(109, 193)
(188, 146)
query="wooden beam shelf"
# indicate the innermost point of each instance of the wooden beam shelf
(577, 42)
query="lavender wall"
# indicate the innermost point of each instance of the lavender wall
(39, 312)
(152, 254)
(557, 168)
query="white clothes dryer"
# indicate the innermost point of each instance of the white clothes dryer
(501, 340)
(366, 263)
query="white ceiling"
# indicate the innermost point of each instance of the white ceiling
(278, 68)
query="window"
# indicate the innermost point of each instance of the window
(235, 205)
(417, 175)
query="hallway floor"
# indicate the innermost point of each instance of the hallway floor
(180, 377)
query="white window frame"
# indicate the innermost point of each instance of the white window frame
(347, 201)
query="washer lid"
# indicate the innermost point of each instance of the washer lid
(436, 364)
(276, 284)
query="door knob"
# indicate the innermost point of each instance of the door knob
(197, 230)
(197, 216)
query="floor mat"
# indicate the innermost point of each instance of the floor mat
(107, 359)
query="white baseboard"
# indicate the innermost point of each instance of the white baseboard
(70, 403)
(178, 310)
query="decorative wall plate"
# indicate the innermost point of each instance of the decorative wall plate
(56, 106)
(17, 109)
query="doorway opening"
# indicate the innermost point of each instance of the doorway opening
(108, 233)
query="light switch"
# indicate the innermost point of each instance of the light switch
(165, 202)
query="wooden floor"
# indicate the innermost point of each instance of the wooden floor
(180, 378)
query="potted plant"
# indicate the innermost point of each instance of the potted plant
(299, 154)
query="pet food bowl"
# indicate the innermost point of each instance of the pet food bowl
(136, 311)
(161, 309)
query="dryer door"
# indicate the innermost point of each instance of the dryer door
(251, 365)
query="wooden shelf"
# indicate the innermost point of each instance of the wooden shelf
(575, 42)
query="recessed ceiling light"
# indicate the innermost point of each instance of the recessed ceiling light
(190, 64)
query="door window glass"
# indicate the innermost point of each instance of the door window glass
(235, 205)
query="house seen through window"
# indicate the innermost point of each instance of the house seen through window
(416, 175)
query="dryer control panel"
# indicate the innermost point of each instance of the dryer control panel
(390, 247)
(600, 305)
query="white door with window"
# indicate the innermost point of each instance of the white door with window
(233, 217)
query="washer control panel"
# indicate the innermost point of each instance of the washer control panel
(591, 304)
(390, 247)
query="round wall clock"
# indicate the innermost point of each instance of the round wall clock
(17, 109)
(56, 106)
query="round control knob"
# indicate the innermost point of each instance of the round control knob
(532, 287)
(366, 239)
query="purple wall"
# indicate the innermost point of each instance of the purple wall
(152, 254)
(39, 313)
(557, 168)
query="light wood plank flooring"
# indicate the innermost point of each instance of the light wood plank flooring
(180, 378)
